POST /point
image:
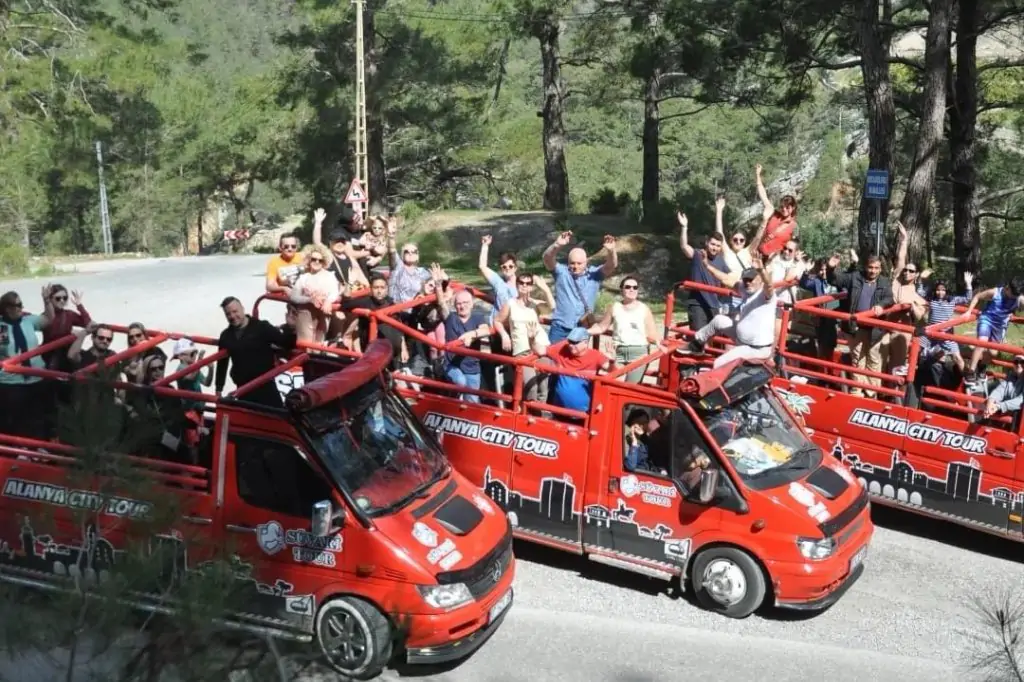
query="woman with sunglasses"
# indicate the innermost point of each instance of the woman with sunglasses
(314, 295)
(21, 395)
(162, 422)
(133, 370)
(632, 325)
(522, 334)
(65, 318)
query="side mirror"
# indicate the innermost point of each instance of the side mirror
(326, 520)
(708, 486)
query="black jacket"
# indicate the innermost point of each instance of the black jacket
(852, 283)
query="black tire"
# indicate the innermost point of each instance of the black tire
(728, 581)
(355, 638)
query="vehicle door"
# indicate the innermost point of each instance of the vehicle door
(549, 471)
(270, 488)
(476, 438)
(641, 515)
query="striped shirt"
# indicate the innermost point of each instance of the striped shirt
(944, 310)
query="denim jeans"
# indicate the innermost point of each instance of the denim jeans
(459, 378)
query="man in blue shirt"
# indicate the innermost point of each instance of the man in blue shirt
(703, 306)
(504, 288)
(576, 355)
(463, 324)
(576, 285)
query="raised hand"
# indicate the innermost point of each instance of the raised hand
(486, 240)
(608, 242)
(564, 238)
(319, 216)
(682, 219)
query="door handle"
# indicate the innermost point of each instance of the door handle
(1001, 454)
(240, 529)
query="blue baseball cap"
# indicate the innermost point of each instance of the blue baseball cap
(577, 335)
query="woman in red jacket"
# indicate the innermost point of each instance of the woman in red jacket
(65, 318)
(779, 224)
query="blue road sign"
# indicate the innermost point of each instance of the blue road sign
(877, 185)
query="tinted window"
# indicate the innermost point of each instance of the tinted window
(274, 476)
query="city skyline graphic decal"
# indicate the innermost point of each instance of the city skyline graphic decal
(959, 495)
(553, 514)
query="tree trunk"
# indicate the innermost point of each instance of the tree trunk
(377, 181)
(917, 203)
(875, 42)
(651, 187)
(556, 177)
(963, 114)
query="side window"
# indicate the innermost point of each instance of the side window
(647, 439)
(273, 475)
(691, 453)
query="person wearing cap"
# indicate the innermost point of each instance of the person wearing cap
(187, 353)
(754, 330)
(1008, 396)
(576, 354)
(344, 264)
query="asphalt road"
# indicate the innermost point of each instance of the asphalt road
(911, 616)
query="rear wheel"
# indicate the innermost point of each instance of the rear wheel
(729, 581)
(354, 637)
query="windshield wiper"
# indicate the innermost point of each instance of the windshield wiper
(417, 494)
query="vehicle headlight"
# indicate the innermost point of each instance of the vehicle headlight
(445, 596)
(816, 550)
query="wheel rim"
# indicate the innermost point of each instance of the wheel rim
(344, 641)
(725, 582)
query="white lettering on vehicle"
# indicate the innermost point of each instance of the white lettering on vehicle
(816, 509)
(60, 496)
(650, 492)
(439, 552)
(491, 435)
(306, 547)
(931, 435)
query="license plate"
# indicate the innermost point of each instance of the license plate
(499, 607)
(858, 558)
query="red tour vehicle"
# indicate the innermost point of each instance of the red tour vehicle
(736, 500)
(911, 444)
(340, 512)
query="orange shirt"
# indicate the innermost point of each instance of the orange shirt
(284, 271)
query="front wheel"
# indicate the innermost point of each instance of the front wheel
(354, 637)
(727, 580)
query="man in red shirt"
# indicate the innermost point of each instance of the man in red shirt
(576, 354)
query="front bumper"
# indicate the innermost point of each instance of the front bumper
(459, 648)
(826, 600)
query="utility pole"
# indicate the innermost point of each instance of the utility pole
(108, 240)
(362, 171)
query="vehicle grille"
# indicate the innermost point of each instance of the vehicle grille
(482, 576)
(841, 521)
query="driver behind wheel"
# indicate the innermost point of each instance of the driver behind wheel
(693, 465)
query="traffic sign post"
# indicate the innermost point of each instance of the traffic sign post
(876, 188)
(355, 194)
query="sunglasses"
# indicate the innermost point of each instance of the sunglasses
(525, 282)
(16, 304)
(136, 337)
(508, 266)
(316, 259)
(59, 299)
(630, 286)
(411, 251)
(738, 240)
(103, 338)
(909, 271)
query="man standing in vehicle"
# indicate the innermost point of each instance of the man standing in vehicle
(285, 267)
(703, 306)
(754, 330)
(575, 353)
(576, 285)
(866, 290)
(993, 322)
(252, 347)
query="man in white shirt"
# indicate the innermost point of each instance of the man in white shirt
(753, 330)
(788, 265)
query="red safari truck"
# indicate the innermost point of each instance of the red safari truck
(768, 519)
(911, 444)
(342, 516)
